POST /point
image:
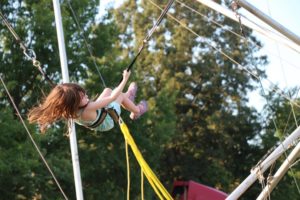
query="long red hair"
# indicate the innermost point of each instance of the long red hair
(62, 103)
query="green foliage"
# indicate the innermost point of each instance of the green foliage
(14, 155)
(23, 175)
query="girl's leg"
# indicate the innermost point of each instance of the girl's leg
(131, 92)
(127, 103)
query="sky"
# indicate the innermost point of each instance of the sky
(284, 64)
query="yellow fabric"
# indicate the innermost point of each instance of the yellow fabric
(159, 189)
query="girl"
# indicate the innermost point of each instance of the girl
(70, 101)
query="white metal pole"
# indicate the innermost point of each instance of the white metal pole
(277, 26)
(65, 75)
(264, 165)
(280, 173)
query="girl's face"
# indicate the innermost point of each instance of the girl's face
(84, 99)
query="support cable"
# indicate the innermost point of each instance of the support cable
(234, 6)
(283, 73)
(29, 53)
(252, 25)
(277, 90)
(235, 33)
(32, 140)
(246, 40)
(150, 33)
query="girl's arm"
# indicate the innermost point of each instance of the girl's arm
(102, 102)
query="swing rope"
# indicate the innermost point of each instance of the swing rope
(159, 189)
(149, 35)
(145, 169)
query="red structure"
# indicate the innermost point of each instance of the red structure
(190, 190)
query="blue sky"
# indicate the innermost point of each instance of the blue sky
(286, 13)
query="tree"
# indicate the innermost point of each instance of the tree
(214, 126)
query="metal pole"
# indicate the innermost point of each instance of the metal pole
(279, 174)
(65, 75)
(277, 26)
(264, 165)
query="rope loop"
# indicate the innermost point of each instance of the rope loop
(259, 174)
(36, 63)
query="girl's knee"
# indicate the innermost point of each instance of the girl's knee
(105, 92)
